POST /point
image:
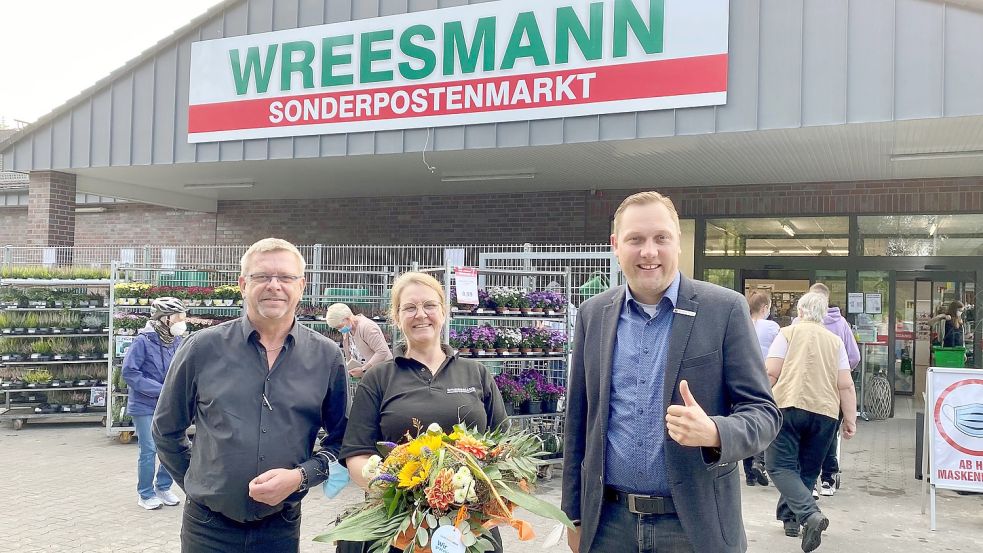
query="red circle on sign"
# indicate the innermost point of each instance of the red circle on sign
(938, 414)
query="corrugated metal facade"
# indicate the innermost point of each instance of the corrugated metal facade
(793, 63)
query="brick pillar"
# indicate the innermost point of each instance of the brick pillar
(51, 212)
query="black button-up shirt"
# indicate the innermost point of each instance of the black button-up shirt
(395, 392)
(249, 418)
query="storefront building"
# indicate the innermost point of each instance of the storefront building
(836, 141)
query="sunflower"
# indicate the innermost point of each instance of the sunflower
(423, 444)
(413, 473)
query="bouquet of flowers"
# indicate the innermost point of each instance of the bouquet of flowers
(441, 489)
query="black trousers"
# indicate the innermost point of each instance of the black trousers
(207, 531)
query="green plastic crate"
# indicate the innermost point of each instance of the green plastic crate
(349, 296)
(184, 278)
(949, 357)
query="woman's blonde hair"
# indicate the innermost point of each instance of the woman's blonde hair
(645, 198)
(336, 313)
(406, 279)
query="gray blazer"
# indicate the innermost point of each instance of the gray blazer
(717, 352)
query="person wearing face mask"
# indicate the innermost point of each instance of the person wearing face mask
(144, 367)
(363, 342)
(953, 335)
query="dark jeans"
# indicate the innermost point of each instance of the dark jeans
(206, 531)
(621, 531)
(758, 461)
(831, 465)
(795, 459)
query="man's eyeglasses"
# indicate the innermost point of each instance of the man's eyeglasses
(260, 278)
(410, 309)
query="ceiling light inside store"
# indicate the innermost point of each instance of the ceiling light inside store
(788, 229)
(219, 184)
(487, 176)
(916, 156)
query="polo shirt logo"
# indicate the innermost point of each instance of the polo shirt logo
(470, 390)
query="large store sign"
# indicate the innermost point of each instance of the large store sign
(496, 61)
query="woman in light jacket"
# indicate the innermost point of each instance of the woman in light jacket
(144, 368)
(363, 342)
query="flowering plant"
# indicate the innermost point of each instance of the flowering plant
(483, 337)
(507, 338)
(467, 480)
(458, 340)
(131, 289)
(511, 390)
(228, 292)
(551, 392)
(557, 339)
(501, 296)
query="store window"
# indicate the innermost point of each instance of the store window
(921, 235)
(721, 277)
(785, 236)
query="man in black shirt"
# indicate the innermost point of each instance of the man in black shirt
(258, 389)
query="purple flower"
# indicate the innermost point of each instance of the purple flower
(385, 478)
(389, 445)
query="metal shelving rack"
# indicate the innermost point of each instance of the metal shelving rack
(549, 426)
(25, 410)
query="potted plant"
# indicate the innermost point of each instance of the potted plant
(79, 402)
(38, 297)
(228, 294)
(551, 394)
(557, 342)
(503, 299)
(85, 379)
(118, 382)
(9, 350)
(48, 323)
(12, 383)
(483, 338)
(41, 350)
(532, 382)
(507, 340)
(6, 323)
(460, 341)
(31, 323)
(91, 323)
(62, 349)
(86, 350)
(37, 378)
(512, 393)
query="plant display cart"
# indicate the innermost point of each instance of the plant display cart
(53, 344)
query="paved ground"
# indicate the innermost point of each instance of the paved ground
(67, 487)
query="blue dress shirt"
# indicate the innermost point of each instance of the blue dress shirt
(635, 456)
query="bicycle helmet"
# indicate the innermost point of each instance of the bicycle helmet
(162, 307)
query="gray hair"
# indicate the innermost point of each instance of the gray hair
(337, 312)
(812, 307)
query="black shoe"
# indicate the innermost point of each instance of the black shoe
(791, 528)
(762, 477)
(750, 479)
(812, 531)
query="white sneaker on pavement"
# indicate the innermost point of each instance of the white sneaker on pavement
(150, 503)
(815, 493)
(168, 497)
(827, 490)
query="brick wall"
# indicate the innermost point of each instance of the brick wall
(51, 209)
(557, 217)
(479, 219)
(13, 226)
(138, 224)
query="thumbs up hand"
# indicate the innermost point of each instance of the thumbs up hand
(688, 424)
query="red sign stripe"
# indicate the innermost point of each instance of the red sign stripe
(632, 81)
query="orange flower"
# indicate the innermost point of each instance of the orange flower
(440, 494)
(472, 446)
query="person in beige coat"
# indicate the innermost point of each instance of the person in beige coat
(363, 342)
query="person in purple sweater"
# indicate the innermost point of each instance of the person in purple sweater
(835, 323)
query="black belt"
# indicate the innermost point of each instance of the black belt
(640, 504)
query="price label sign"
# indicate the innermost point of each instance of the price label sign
(466, 279)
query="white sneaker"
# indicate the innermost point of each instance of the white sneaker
(827, 490)
(150, 503)
(168, 497)
(815, 493)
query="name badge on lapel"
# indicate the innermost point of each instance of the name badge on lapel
(684, 312)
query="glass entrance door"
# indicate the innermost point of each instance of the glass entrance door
(920, 297)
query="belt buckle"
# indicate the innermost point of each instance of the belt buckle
(655, 502)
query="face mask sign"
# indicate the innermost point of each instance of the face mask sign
(968, 418)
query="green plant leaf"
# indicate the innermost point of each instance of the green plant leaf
(535, 505)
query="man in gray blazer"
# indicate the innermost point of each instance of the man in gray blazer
(667, 392)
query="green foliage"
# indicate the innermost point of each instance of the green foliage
(49, 273)
(43, 347)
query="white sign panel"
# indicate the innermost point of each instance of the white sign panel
(509, 60)
(873, 303)
(466, 285)
(855, 302)
(956, 422)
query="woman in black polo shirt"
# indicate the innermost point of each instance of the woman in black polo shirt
(426, 381)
